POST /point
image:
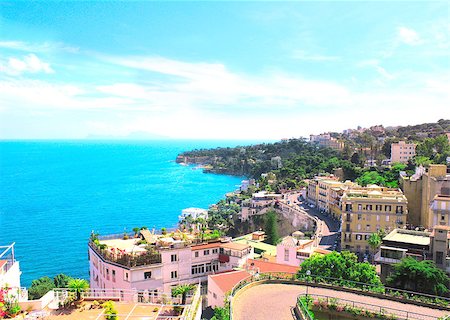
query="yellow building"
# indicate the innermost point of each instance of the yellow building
(439, 213)
(312, 194)
(366, 210)
(420, 190)
(324, 193)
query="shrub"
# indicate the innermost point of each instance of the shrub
(110, 310)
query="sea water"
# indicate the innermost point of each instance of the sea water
(54, 193)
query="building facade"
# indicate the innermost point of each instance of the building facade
(402, 151)
(116, 263)
(421, 189)
(366, 210)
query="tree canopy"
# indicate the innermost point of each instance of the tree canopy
(420, 276)
(342, 268)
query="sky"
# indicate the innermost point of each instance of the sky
(220, 70)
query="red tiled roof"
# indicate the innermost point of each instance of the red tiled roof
(2, 263)
(227, 280)
(265, 266)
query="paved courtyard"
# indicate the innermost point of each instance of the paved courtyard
(274, 301)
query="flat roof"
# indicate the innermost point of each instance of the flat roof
(266, 266)
(409, 236)
(234, 246)
(267, 248)
(206, 246)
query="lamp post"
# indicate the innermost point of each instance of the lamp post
(308, 273)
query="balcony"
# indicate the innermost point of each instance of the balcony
(127, 260)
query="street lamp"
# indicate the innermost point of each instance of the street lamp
(308, 273)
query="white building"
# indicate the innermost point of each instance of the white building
(10, 272)
(194, 213)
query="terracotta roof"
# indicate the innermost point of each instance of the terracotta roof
(2, 263)
(234, 246)
(265, 266)
(206, 246)
(227, 280)
(322, 251)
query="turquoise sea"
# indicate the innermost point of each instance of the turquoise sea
(53, 193)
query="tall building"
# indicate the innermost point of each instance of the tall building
(402, 151)
(421, 189)
(366, 210)
(440, 247)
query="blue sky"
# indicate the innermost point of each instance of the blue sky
(220, 70)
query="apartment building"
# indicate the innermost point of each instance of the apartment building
(312, 192)
(326, 140)
(258, 204)
(366, 210)
(161, 263)
(399, 244)
(324, 193)
(420, 245)
(402, 151)
(420, 189)
(439, 212)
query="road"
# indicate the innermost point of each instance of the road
(274, 301)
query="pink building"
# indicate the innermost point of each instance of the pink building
(159, 264)
(293, 251)
(402, 151)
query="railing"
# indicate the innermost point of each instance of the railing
(337, 304)
(127, 260)
(190, 312)
(338, 284)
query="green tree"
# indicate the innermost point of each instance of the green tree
(371, 177)
(221, 313)
(61, 280)
(79, 285)
(437, 149)
(420, 276)
(136, 230)
(40, 287)
(110, 310)
(183, 290)
(271, 227)
(374, 242)
(342, 268)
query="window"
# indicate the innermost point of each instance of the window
(359, 226)
(367, 227)
(126, 276)
(387, 208)
(214, 296)
(113, 275)
(378, 217)
(214, 251)
(358, 237)
(286, 254)
(369, 207)
(349, 218)
(206, 252)
(443, 217)
(348, 207)
(147, 275)
(399, 209)
(366, 237)
(378, 207)
(173, 258)
(107, 274)
(174, 275)
(359, 207)
(196, 254)
(387, 218)
(359, 216)
(347, 227)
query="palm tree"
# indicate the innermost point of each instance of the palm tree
(78, 285)
(183, 289)
(374, 242)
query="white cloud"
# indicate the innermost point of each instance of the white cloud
(37, 47)
(408, 36)
(28, 64)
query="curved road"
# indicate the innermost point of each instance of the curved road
(274, 302)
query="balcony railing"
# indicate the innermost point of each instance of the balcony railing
(127, 260)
